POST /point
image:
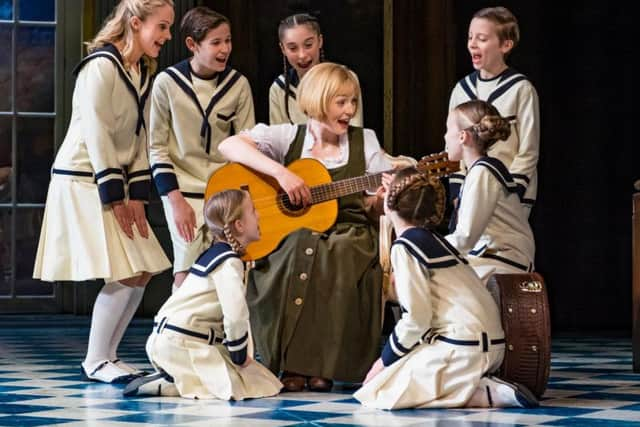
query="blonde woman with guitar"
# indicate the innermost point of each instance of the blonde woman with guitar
(315, 300)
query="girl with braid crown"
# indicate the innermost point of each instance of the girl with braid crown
(449, 339)
(492, 225)
(301, 44)
(201, 345)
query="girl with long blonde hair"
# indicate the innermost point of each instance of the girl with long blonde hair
(94, 225)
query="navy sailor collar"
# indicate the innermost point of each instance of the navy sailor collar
(184, 68)
(111, 51)
(210, 259)
(506, 80)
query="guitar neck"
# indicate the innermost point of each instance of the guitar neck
(344, 187)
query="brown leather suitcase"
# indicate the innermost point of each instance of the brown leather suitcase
(524, 307)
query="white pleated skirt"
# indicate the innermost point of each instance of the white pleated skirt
(81, 239)
(203, 371)
(438, 375)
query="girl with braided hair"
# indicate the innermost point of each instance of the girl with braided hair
(449, 339)
(492, 224)
(200, 345)
(301, 45)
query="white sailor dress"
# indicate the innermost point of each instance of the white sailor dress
(277, 109)
(102, 160)
(513, 95)
(190, 116)
(449, 335)
(492, 225)
(201, 334)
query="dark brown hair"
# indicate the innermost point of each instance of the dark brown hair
(417, 198)
(197, 22)
(286, 24)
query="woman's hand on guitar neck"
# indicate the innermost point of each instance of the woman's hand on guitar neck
(294, 186)
(183, 215)
(386, 182)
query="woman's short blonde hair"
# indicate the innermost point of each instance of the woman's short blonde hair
(321, 84)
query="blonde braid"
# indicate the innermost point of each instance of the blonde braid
(231, 239)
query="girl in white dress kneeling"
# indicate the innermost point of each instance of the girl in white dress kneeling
(200, 345)
(449, 338)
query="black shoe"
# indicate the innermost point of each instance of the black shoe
(101, 374)
(133, 388)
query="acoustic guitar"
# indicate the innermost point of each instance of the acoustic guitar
(278, 216)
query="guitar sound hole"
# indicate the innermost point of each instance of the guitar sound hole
(289, 208)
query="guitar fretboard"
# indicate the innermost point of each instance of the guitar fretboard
(324, 192)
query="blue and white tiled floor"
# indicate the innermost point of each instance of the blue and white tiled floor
(591, 384)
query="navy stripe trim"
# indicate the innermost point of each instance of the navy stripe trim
(450, 248)
(192, 195)
(205, 127)
(474, 78)
(397, 343)
(507, 261)
(165, 182)
(188, 90)
(187, 332)
(110, 52)
(210, 259)
(142, 172)
(293, 77)
(237, 342)
(421, 260)
(238, 356)
(485, 341)
(500, 172)
(504, 88)
(214, 100)
(108, 171)
(111, 191)
(475, 252)
(226, 118)
(525, 178)
(467, 89)
(388, 356)
(185, 88)
(140, 190)
(506, 74)
(281, 84)
(161, 165)
(70, 172)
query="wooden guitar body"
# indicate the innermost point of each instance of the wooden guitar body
(277, 218)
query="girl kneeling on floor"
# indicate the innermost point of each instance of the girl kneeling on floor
(449, 338)
(200, 345)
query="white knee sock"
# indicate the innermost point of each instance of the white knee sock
(110, 304)
(125, 319)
